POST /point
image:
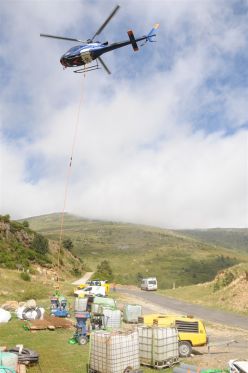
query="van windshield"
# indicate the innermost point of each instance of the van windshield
(152, 282)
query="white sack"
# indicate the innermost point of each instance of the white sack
(5, 316)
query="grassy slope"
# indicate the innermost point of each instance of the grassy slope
(231, 238)
(17, 250)
(231, 297)
(133, 249)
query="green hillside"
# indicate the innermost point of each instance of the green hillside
(20, 246)
(24, 249)
(230, 238)
(228, 290)
(135, 251)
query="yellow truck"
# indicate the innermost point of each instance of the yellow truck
(191, 331)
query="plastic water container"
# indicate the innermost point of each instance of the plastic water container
(158, 346)
(8, 360)
(113, 352)
(109, 302)
(131, 312)
(112, 318)
(80, 304)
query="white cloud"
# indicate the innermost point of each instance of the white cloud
(138, 155)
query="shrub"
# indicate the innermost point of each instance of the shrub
(40, 244)
(104, 271)
(5, 218)
(68, 244)
(25, 224)
(76, 271)
(223, 281)
(25, 276)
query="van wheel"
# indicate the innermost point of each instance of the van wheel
(185, 349)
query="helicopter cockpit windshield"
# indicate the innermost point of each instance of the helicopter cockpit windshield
(74, 49)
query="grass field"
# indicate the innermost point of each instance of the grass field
(56, 354)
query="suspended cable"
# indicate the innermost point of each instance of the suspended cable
(69, 168)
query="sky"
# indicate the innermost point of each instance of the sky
(162, 141)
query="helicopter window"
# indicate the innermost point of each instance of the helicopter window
(74, 49)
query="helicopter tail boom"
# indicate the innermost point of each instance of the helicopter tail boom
(132, 40)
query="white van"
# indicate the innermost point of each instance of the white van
(149, 283)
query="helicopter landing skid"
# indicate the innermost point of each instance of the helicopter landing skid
(87, 69)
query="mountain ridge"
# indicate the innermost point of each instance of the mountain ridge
(136, 251)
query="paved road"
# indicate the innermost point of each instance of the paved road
(178, 306)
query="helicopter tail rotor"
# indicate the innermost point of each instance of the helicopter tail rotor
(151, 33)
(149, 37)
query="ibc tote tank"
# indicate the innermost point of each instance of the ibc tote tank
(113, 352)
(158, 347)
(131, 312)
(80, 304)
(112, 318)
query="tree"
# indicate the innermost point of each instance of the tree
(25, 223)
(104, 271)
(5, 218)
(68, 244)
(40, 244)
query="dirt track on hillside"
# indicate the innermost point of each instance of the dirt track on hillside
(218, 354)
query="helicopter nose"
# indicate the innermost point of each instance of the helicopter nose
(63, 61)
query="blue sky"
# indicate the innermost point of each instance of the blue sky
(162, 141)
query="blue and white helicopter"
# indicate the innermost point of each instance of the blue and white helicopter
(90, 50)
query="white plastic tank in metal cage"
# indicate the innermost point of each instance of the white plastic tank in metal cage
(158, 347)
(114, 352)
(132, 312)
(112, 318)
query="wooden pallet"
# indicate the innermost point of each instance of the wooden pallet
(161, 364)
(49, 322)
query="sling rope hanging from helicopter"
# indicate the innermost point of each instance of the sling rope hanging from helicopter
(69, 168)
(83, 55)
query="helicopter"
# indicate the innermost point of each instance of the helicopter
(90, 50)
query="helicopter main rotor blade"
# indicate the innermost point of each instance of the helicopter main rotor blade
(104, 65)
(106, 22)
(62, 38)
